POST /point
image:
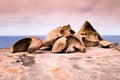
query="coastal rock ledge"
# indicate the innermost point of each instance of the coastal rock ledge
(96, 64)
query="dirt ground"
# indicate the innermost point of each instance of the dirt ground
(95, 64)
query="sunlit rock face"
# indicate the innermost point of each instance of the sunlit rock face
(29, 44)
(68, 44)
(90, 36)
(55, 34)
(35, 44)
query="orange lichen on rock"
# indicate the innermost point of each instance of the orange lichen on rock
(59, 74)
(10, 70)
(8, 58)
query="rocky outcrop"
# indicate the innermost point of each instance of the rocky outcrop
(107, 44)
(90, 36)
(55, 34)
(68, 44)
(96, 64)
(29, 44)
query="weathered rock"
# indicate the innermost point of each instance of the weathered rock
(118, 48)
(107, 44)
(90, 36)
(30, 44)
(89, 43)
(21, 45)
(68, 44)
(35, 44)
(55, 34)
(59, 45)
(96, 64)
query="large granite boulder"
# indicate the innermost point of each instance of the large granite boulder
(90, 36)
(68, 44)
(29, 44)
(107, 44)
(55, 34)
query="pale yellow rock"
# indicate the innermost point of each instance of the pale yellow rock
(92, 37)
(29, 44)
(70, 48)
(74, 43)
(59, 45)
(68, 44)
(51, 37)
(35, 44)
(55, 34)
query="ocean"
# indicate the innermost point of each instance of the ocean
(7, 41)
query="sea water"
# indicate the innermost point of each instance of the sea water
(7, 41)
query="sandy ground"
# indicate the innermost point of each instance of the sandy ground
(95, 64)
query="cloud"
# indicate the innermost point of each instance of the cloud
(40, 7)
(101, 13)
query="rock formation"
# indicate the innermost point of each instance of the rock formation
(68, 44)
(107, 44)
(55, 34)
(35, 44)
(30, 44)
(90, 36)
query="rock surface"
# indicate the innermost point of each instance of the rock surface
(29, 44)
(117, 48)
(90, 35)
(96, 64)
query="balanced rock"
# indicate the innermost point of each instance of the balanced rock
(90, 36)
(29, 44)
(107, 44)
(68, 44)
(55, 34)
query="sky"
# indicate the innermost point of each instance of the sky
(39, 17)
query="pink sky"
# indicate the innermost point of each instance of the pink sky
(38, 17)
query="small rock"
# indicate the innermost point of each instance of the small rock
(107, 44)
(118, 48)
